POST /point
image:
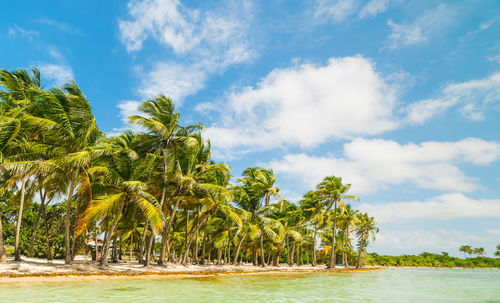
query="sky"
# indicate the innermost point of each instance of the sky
(400, 98)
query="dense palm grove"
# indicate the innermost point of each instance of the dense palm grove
(155, 195)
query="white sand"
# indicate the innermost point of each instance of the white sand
(83, 268)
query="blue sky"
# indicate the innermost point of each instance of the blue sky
(401, 98)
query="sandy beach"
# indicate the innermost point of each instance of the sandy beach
(84, 269)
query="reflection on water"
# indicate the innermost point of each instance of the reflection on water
(392, 285)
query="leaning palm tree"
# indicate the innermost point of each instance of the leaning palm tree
(70, 132)
(365, 229)
(315, 212)
(123, 181)
(164, 136)
(348, 218)
(332, 192)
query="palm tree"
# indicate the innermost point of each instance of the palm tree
(365, 227)
(348, 219)
(497, 253)
(315, 213)
(331, 192)
(466, 249)
(123, 181)
(259, 185)
(479, 251)
(164, 137)
(69, 132)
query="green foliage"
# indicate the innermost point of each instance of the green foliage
(432, 260)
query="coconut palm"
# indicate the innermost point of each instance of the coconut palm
(122, 179)
(365, 229)
(332, 193)
(164, 137)
(466, 249)
(315, 213)
(348, 218)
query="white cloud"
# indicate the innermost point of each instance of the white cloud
(339, 10)
(473, 98)
(493, 231)
(432, 23)
(391, 241)
(60, 26)
(127, 108)
(372, 165)
(375, 7)
(405, 34)
(55, 73)
(494, 58)
(306, 105)
(203, 42)
(16, 30)
(175, 80)
(443, 207)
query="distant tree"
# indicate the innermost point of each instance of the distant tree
(497, 253)
(479, 251)
(466, 249)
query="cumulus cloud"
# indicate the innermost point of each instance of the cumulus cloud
(443, 207)
(304, 106)
(203, 42)
(127, 108)
(372, 165)
(57, 74)
(176, 80)
(473, 98)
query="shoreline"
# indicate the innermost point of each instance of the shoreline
(107, 276)
(41, 270)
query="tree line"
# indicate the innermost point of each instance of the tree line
(153, 195)
(432, 260)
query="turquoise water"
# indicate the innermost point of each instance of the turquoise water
(390, 285)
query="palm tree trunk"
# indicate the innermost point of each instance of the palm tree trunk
(359, 255)
(47, 234)
(143, 241)
(114, 253)
(262, 248)
(332, 262)
(235, 262)
(202, 261)
(287, 250)
(105, 248)
(153, 234)
(3, 256)
(150, 245)
(298, 255)
(195, 252)
(67, 222)
(293, 253)
(19, 219)
(35, 227)
(219, 255)
(314, 262)
(131, 246)
(276, 261)
(254, 252)
(186, 248)
(165, 240)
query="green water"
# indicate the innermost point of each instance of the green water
(390, 285)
